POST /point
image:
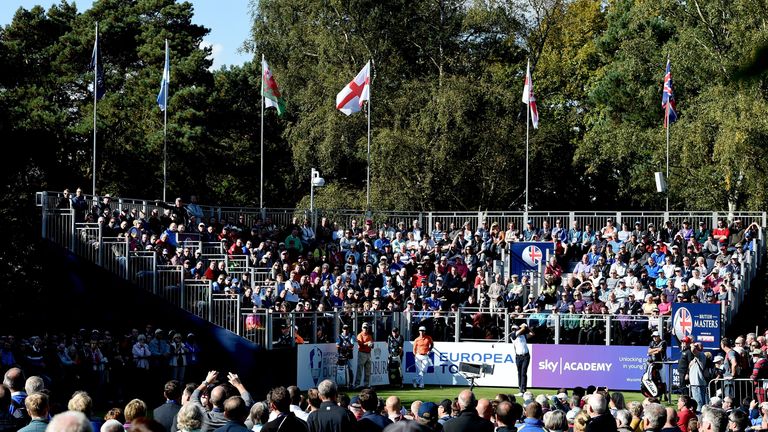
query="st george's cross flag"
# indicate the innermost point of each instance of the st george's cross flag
(350, 99)
(529, 98)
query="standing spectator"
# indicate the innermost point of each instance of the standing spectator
(178, 358)
(191, 418)
(671, 423)
(759, 374)
(364, 347)
(280, 401)
(37, 407)
(193, 209)
(215, 418)
(713, 420)
(295, 395)
(468, 420)
(70, 421)
(79, 205)
(14, 380)
(8, 423)
(83, 403)
(166, 412)
(684, 412)
(330, 417)
(422, 346)
(235, 412)
(601, 419)
(371, 419)
(696, 377)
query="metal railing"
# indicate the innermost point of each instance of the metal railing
(738, 388)
(264, 327)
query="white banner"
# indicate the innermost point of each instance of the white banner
(446, 358)
(317, 362)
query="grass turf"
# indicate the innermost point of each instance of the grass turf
(436, 394)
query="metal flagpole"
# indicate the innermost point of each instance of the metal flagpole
(527, 129)
(668, 125)
(95, 98)
(165, 124)
(261, 179)
(368, 181)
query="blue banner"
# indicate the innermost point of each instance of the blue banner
(526, 256)
(700, 321)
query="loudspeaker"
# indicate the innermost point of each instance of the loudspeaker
(661, 184)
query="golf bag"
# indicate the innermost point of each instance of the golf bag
(651, 384)
(393, 369)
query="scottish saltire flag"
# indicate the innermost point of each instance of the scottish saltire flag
(668, 97)
(96, 67)
(162, 97)
(529, 98)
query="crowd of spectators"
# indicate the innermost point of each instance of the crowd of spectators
(634, 272)
(105, 363)
(224, 404)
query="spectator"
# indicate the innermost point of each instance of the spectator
(70, 421)
(295, 394)
(601, 419)
(136, 408)
(713, 420)
(654, 417)
(82, 402)
(236, 412)
(467, 418)
(428, 415)
(215, 418)
(37, 408)
(280, 402)
(330, 417)
(191, 417)
(371, 419)
(259, 416)
(165, 413)
(671, 424)
(623, 421)
(112, 425)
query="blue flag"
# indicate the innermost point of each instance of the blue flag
(162, 97)
(668, 97)
(98, 70)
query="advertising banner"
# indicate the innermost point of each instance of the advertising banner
(700, 321)
(526, 256)
(317, 362)
(615, 367)
(446, 356)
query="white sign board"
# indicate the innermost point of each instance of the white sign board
(317, 362)
(446, 358)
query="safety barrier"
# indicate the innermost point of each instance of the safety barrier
(738, 388)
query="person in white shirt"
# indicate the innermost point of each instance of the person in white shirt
(522, 355)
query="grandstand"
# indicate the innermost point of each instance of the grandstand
(274, 289)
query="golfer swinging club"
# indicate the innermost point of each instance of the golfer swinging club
(421, 349)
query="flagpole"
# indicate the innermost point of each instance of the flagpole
(368, 181)
(527, 130)
(165, 127)
(261, 179)
(668, 125)
(95, 98)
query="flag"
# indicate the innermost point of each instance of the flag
(96, 67)
(529, 98)
(668, 97)
(162, 97)
(270, 90)
(350, 99)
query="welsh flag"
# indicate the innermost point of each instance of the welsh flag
(269, 89)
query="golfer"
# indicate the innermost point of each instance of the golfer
(422, 346)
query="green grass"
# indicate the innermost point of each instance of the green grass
(436, 394)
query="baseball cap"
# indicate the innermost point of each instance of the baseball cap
(562, 396)
(366, 325)
(428, 411)
(345, 326)
(570, 416)
(655, 333)
(756, 352)
(718, 358)
(355, 402)
(422, 328)
(687, 339)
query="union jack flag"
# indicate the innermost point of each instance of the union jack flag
(668, 98)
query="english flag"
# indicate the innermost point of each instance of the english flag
(528, 97)
(350, 99)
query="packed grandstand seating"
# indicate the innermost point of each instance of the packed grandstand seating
(632, 272)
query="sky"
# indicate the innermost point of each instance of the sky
(229, 21)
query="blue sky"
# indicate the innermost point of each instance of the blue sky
(229, 21)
